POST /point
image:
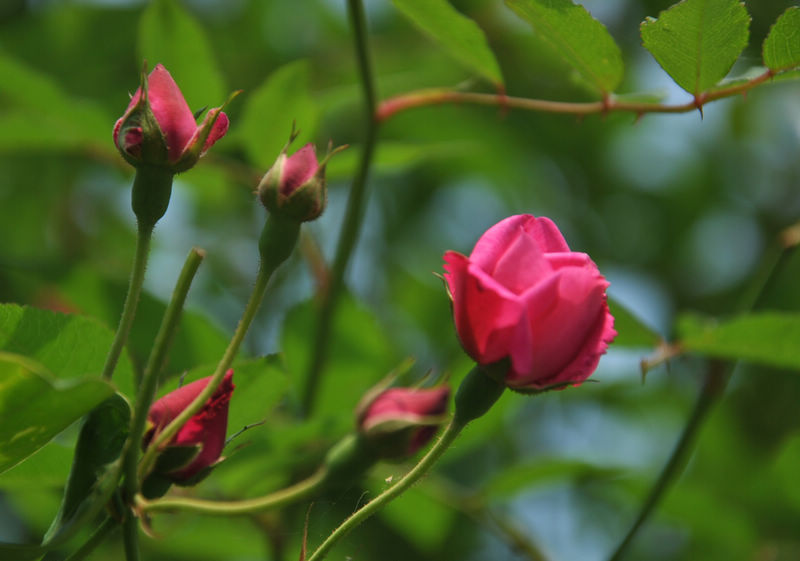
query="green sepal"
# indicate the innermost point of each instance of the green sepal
(277, 241)
(174, 458)
(152, 189)
(479, 390)
(100, 442)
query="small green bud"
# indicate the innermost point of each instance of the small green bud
(294, 188)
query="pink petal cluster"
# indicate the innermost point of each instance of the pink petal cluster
(175, 120)
(523, 295)
(206, 428)
(298, 169)
(413, 413)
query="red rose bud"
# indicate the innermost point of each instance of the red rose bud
(522, 295)
(205, 431)
(399, 421)
(159, 129)
(294, 187)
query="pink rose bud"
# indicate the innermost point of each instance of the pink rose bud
(159, 129)
(294, 187)
(205, 431)
(399, 421)
(522, 295)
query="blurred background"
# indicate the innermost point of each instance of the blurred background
(677, 211)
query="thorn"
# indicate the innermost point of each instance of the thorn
(183, 375)
(305, 534)
(698, 102)
(245, 428)
(502, 101)
(200, 112)
(606, 105)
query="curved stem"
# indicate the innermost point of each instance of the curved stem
(94, 540)
(297, 492)
(144, 235)
(277, 241)
(427, 461)
(171, 429)
(155, 363)
(351, 224)
(421, 98)
(713, 387)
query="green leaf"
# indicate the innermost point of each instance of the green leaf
(38, 114)
(284, 97)
(631, 332)
(767, 338)
(460, 36)
(697, 41)
(360, 355)
(16, 552)
(510, 481)
(99, 445)
(197, 341)
(394, 157)
(34, 407)
(582, 42)
(782, 45)
(66, 345)
(170, 36)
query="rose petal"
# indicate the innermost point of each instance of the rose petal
(485, 312)
(594, 347)
(561, 324)
(406, 405)
(171, 111)
(495, 241)
(298, 168)
(547, 235)
(217, 131)
(522, 265)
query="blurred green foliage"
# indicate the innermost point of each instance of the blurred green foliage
(677, 210)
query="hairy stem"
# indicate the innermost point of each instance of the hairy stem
(276, 244)
(351, 223)
(295, 493)
(143, 237)
(155, 364)
(427, 461)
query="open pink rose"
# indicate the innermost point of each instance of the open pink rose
(523, 295)
(399, 421)
(178, 141)
(207, 428)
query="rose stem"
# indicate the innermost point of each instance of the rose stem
(421, 98)
(297, 492)
(476, 395)
(278, 239)
(713, 388)
(351, 223)
(149, 199)
(155, 363)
